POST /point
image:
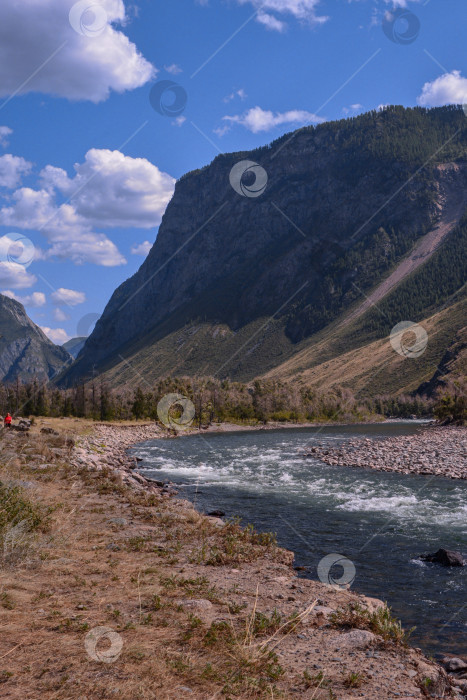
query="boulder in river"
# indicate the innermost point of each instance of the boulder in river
(446, 557)
(216, 513)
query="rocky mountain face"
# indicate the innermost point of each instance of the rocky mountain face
(74, 346)
(343, 204)
(25, 352)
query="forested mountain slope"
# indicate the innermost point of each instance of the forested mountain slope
(241, 286)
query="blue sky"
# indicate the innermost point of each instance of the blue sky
(87, 165)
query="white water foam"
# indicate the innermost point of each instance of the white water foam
(281, 468)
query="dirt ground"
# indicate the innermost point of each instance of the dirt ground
(108, 591)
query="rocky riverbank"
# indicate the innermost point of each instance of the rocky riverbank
(437, 451)
(106, 447)
(115, 441)
(193, 606)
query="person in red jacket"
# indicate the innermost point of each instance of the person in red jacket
(7, 421)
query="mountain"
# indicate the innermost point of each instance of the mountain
(356, 213)
(74, 346)
(25, 351)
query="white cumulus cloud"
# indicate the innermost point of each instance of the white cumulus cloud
(92, 248)
(60, 315)
(113, 190)
(15, 276)
(258, 119)
(173, 69)
(267, 11)
(34, 300)
(5, 132)
(141, 248)
(270, 22)
(108, 190)
(69, 236)
(236, 93)
(12, 168)
(352, 108)
(68, 297)
(41, 51)
(56, 335)
(450, 88)
(399, 3)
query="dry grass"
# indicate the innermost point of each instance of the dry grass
(81, 551)
(76, 426)
(379, 621)
(71, 564)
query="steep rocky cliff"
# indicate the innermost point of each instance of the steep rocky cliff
(25, 352)
(235, 284)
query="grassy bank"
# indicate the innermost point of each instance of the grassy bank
(191, 606)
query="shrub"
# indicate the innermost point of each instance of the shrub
(14, 508)
(380, 622)
(19, 517)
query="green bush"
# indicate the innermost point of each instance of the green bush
(14, 508)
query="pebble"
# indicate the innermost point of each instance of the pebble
(439, 451)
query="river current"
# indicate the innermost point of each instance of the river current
(381, 521)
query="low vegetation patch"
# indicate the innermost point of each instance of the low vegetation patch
(354, 680)
(19, 518)
(235, 544)
(191, 587)
(106, 559)
(15, 508)
(380, 622)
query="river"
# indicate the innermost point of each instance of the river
(381, 521)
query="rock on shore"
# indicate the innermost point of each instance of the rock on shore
(433, 451)
(387, 670)
(107, 448)
(163, 594)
